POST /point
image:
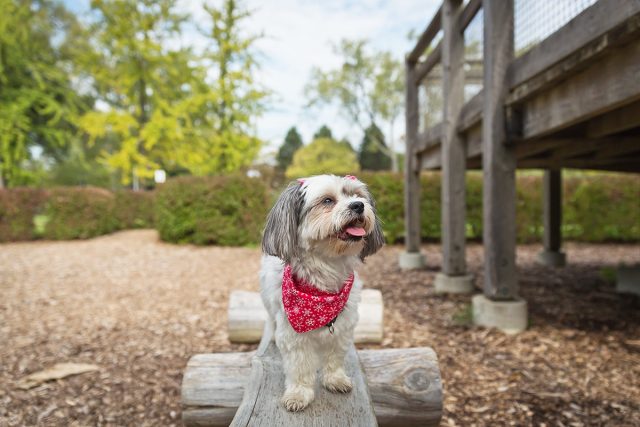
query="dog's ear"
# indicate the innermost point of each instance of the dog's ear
(375, 240)
(280, 236)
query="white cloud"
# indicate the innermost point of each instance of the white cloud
(299, 34)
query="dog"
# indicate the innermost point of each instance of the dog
(318, 232)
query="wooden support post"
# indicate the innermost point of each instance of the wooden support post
(453, 149)
(453, 278)
(552, 193)
(552, 203)
(412, 258)
(498, 161)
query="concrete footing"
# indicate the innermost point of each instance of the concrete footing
(552, 258)
(628, 279)
(412, 260)
(508, 316)
(445, 284)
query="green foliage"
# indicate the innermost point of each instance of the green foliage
(18, 207)
(370, 156)
(602, 207)
(37, 105)
(323, 132)
(166, 110)
(221, 210)
(79, 213)
(323, 156)
(367, 87)
(292, 142)
(134, 209)
(596, 208)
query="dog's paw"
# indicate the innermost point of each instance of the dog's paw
(296, 398)
(337, 382)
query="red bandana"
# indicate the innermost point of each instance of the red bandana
(309, 308)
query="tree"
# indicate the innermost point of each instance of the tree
(368, 88)
(323, 132)
(322, 156)
(241, 99)
(292, 142)
(38, 107)
(370, 155)
(164, 106)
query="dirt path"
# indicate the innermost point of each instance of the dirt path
(139, 308)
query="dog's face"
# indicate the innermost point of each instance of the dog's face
(325, 214)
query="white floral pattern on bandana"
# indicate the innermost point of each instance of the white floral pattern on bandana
(309, 308)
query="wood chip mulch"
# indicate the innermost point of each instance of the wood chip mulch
(138, 309)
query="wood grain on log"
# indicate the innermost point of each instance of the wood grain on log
(404, 385)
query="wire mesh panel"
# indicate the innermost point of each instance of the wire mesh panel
(473, 56)
(535, 20)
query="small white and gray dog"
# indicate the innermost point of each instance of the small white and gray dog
(318, 232)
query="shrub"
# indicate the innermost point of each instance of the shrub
(79, 213)
(600, 208)
(134, 209)
(596, 208)
(18, 207)
(222, 210)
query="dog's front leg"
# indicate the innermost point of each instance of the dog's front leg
(300, 365)
(334, 377)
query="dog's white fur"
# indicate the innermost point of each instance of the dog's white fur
(302, 230)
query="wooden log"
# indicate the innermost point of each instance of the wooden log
(261, 406)
(498, 157)
(247, 317)
(453, 146)
(404, 385)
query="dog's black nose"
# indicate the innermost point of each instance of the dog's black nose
(357, 207)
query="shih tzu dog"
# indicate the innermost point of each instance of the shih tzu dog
(320, 229)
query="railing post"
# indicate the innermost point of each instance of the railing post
(499, 306)
(412, 258)
(552, 202)
(453, 277)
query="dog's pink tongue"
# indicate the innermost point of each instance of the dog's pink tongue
(356, 231)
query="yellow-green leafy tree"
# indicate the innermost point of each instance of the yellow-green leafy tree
(323, 155)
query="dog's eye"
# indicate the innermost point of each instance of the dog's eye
(327, 201)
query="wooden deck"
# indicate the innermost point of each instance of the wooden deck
(571, 101)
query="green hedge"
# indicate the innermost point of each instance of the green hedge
(221, 210)
(79, 213)
(18, 207)
(596, 207)
(230, 210)
(65, 213)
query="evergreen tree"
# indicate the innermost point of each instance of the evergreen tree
(323, 132)
(370, 156)
(292, 142)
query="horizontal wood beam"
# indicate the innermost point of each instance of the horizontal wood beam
(631, 164)
(469, 12)
(423, 68)
(426, 37)
(588, 25)
(622, 119)
(576, 61)
(604, 86)
(471, 113)
(428, 139)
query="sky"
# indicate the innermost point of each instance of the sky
(299, 35)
